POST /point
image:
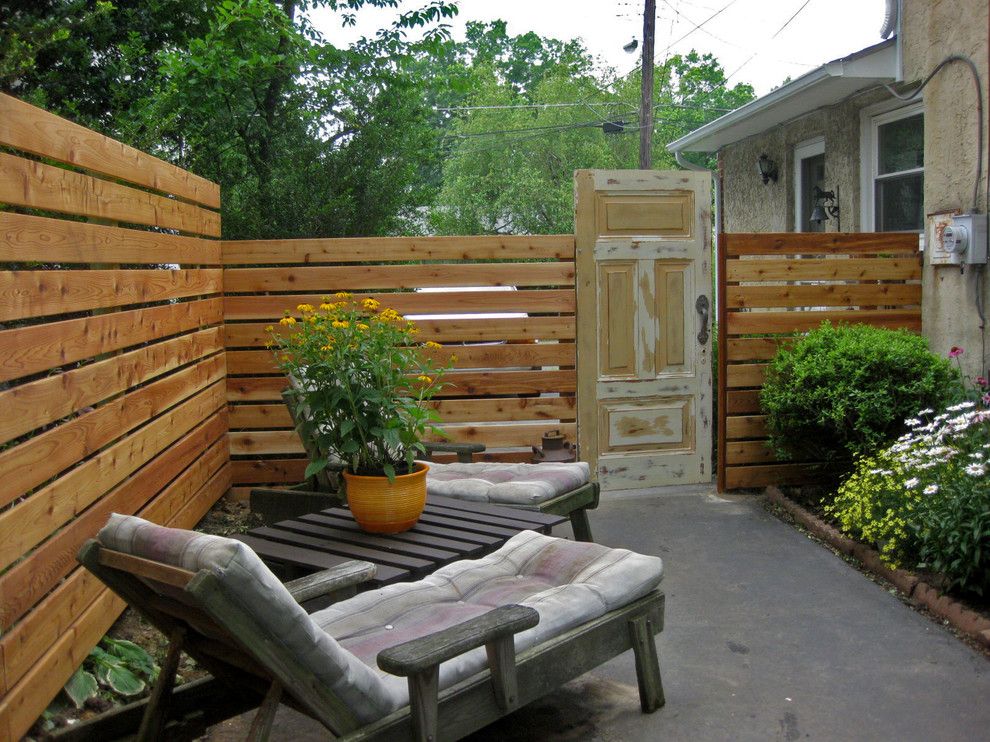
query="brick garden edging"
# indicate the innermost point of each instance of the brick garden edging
(920, 592)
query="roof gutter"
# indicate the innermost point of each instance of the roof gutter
(686, 163)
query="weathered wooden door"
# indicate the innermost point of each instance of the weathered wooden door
(644, 307)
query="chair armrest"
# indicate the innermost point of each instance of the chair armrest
(464, 451)
(417, 655)
(327, 581)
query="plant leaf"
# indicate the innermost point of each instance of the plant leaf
(122, 680)
(81, 685)
(314, 467)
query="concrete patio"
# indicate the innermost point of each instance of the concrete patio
(769, 636)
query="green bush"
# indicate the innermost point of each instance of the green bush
(844, 391)
(925, 501)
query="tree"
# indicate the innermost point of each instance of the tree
(511, 159)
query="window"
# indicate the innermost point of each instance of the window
(895, 166)
(809, 172)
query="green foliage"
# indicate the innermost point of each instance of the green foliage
(510, 163)
(839, 392)
(925, 501)
(118, 665)
(363, 382)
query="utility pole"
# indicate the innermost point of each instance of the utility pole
(646, 97)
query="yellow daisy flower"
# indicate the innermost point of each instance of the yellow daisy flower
(432, 345)
(287, 321)
(371, 304)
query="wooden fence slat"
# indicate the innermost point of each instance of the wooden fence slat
(547, 301)
(28, 350)
(818, 243)
(28, 522)
(831, 295)
(468, 356)
(248, 335)
(368, 277)
(745, 323)
(813, 269)
(31, 129)
(267, 416)
(746, 426)
(39, 186)
(748, 452)
(46, 240)
(25, 294)
(273, 471)
(460, 384)
(30, 579)
(742, 403)
(747, 374)
(395, 249)
(43, 456)
(753, 349)
(740, 477)
(41, 402)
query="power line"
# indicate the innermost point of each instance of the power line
(775, 35)
(577, 104)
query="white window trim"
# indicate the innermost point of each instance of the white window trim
(871, 118)
(802, 151)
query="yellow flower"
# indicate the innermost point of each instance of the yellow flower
(433, 346)
(328, 346)
(342, 295)
(362, 326)
(287, 321)
(453, 358)
(286, 358)
(312, 319)
(371, 304)
(424, 379)
(390, 315)
(269, 328)
(305, 308)
(327, 307)
(340, 324)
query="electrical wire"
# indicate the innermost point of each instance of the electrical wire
(979, 112)
(775, 35)
(577, 105)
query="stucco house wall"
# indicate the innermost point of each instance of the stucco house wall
(750, 206)
(930, 32)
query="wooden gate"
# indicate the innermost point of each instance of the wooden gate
(774, 285)
(643, 262)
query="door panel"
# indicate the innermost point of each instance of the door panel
(643, 260)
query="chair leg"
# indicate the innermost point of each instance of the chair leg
(580, 525)
(647, 664)
(156, 713)
(424, 690)
(261, 725)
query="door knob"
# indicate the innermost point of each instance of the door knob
(702, 306)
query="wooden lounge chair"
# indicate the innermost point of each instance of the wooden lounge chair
(560, 489)
(426, 660)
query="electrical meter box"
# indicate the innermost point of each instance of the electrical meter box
(964, 240)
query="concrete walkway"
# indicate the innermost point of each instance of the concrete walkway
(769, 636)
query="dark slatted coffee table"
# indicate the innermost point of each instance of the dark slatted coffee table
(447, 531)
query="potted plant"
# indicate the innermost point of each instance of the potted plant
(363, 382)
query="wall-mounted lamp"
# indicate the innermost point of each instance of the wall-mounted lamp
(767, 169)
(826, 205)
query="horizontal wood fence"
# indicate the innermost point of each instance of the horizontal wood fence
(773, 286)
(514, 378)
(112, 367)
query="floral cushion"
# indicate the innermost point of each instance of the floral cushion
(566, 582)
(505, 484)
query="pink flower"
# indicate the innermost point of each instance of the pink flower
(955, 351)
(986, 399)
(981, 380)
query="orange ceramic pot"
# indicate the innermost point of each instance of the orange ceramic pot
(381, 506)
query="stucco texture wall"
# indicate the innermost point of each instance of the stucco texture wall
(932, 30)
(750, 206)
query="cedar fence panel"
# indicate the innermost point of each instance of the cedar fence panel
(514, 376)
(773, 287)
(112, 378)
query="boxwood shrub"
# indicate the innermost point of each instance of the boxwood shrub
(842, 391)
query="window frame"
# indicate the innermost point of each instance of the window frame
(872, 118)
(803, 151)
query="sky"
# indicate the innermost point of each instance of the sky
(761, 42)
